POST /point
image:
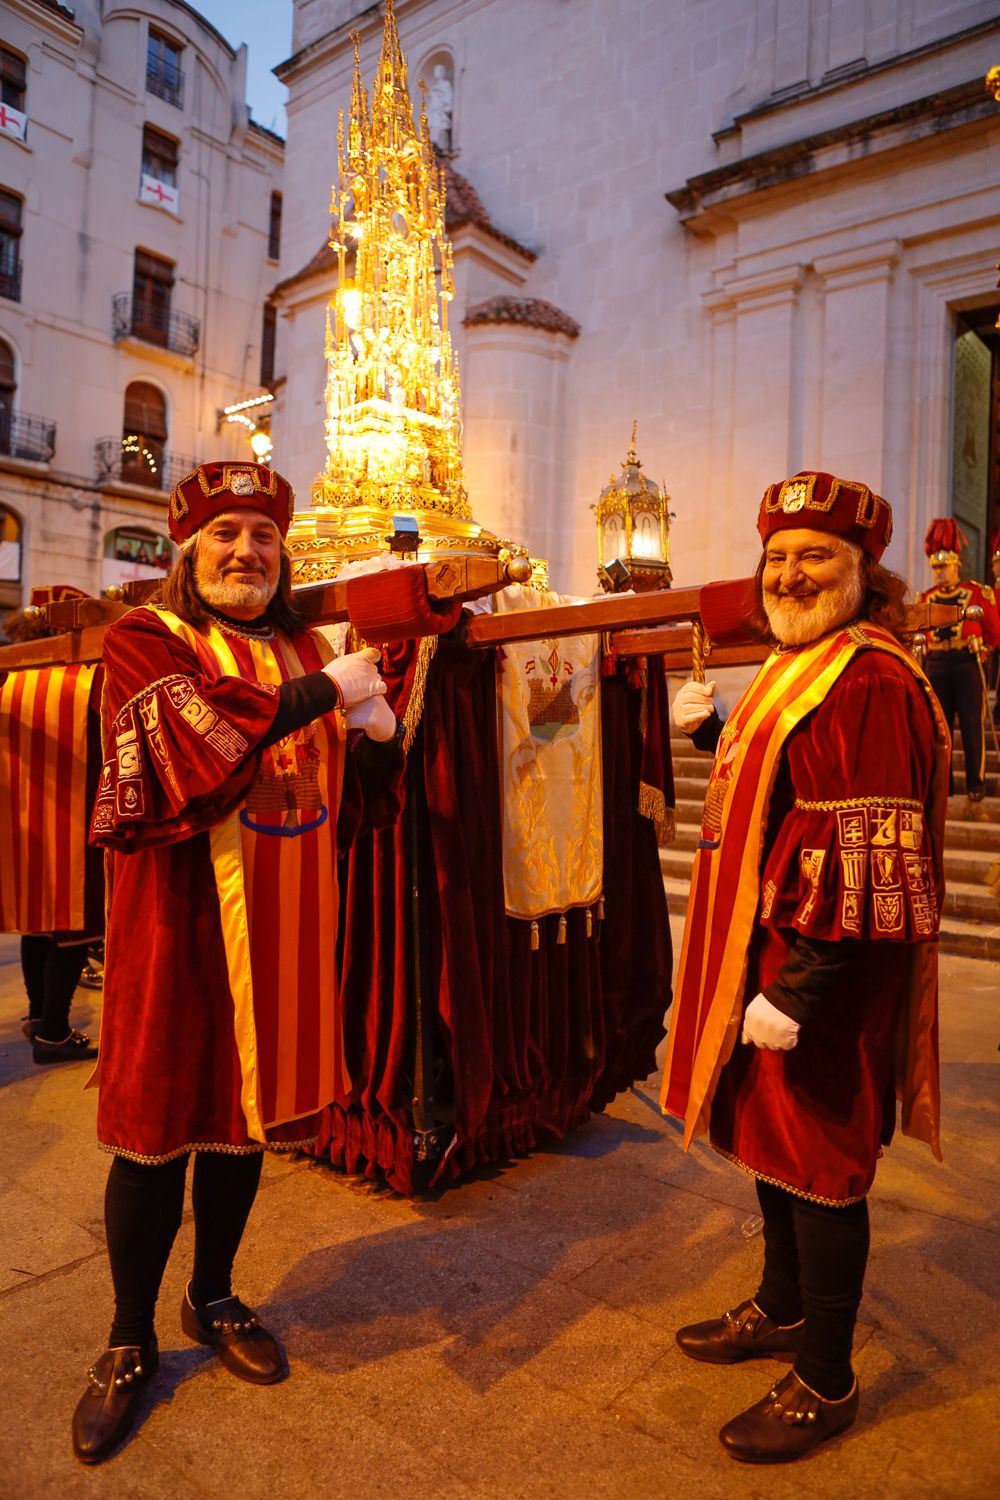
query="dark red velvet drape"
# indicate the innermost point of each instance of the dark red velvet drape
(525, 1043)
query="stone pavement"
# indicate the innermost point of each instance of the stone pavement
(513, 1337)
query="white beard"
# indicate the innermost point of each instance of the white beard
(227, 590)
(797, 624)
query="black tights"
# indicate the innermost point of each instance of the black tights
(142, 1214)
(814, 1268)
(51, 974)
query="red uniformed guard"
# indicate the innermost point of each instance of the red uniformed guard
(952, 651)
(221, 1030)
(807, 993)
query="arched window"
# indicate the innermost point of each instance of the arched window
(10, 559)
(144, 435)
(135, 552)
(8, 390)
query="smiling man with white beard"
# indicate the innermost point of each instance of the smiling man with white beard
(806, 1000)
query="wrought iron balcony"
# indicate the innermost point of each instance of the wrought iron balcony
(138, 320)
(22, 436)
(10, 278)
(166, 81)
(134, 459)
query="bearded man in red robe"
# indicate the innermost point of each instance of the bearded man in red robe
(224, 728)
(806, 1000)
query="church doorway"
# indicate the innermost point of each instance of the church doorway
(975, 461)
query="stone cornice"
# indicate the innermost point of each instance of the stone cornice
(853, 73)
(55, 18)
(702, 197)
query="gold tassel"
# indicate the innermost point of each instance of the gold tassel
(600, 910)
(534, 937)
(590, 922)
(562, 930)
(415, 707)
(653, 805)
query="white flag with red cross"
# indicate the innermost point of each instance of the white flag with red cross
(152, 190)
(12, 122)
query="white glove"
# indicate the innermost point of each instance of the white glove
(692, 705)
(375, 717)
(357, 676)
(767, 1026)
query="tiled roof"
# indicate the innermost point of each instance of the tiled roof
(322, 263)
(62, 10)
(531, 311)
(463, 205)
(265, 130)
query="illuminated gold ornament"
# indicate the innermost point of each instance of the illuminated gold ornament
(633, 528)
(393, 404)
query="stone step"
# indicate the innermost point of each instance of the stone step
(970, 938)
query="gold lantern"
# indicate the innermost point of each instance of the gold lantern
(633, 529)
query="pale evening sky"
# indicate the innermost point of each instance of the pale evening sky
(266, 27)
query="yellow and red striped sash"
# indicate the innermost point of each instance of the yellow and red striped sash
(278, 896)
(725, 881)
(43, 798)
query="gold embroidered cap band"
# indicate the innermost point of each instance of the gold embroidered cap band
(822, 502)
(213, 488)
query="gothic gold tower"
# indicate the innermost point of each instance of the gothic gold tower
(393, 404)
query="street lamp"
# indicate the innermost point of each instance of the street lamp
(260, 442)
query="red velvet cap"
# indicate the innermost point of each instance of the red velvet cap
(56, 593)
(820, 502)
(213, 488)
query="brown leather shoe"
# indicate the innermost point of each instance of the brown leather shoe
(235, 1333)
(743, 1333)
(106, 1411)
(790, 1422)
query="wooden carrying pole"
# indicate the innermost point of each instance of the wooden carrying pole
(686, 626)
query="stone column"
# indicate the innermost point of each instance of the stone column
(853, 363)
(756, 317)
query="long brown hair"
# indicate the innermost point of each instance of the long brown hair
(883, 602)
(177, 593)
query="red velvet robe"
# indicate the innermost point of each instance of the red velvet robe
(169, 1068)
(847, 856)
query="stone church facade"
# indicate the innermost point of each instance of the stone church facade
(766, 229)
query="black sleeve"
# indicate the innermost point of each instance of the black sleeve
(814, 970)
(301, 700)
(706, 736)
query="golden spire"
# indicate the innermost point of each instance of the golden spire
(393, 405)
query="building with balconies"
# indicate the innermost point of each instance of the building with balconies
(139, 239)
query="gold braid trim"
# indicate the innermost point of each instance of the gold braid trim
(222, 1147)
(415, 707)
(144, 692)
(653, 805)
(775, 1182)
(804, 806)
